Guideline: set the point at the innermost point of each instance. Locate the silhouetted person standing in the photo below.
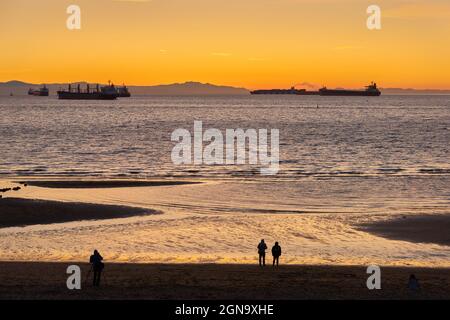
(276, 253)
(97, 266)
(262, 247)
(413, 283)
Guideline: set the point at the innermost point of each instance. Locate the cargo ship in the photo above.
(123, 92)
(292, 90)
(41, 92)
(371, 90)
(108, 92)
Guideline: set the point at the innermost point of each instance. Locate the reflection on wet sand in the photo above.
(197, 226)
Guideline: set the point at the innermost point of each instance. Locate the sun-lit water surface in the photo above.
(349, 161)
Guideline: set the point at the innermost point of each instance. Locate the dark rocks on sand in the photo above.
(5, 189)
(16, 188)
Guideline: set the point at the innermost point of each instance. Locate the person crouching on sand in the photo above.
(262, 247)
(276, 253)
(97, 266)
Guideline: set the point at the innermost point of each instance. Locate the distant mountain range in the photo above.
(182, 89)
(407, 91)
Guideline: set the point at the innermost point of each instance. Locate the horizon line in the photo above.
(210, 83)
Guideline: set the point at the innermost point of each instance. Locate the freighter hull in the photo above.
(40, 94)
(276, 91)
(285, 91)
(64, 95)
(371, 91)
(349, 93)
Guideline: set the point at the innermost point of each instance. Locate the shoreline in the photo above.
(103, 183)
(44, 280)
(19, 212)
(16, 211)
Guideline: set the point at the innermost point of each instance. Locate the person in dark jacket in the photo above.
(97, 266)
(276, 253)
(262, 247)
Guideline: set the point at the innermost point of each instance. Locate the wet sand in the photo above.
(22, 212)
(16, 212)
(33, 280)
(77, 184)
(184, 241)
(420, 229)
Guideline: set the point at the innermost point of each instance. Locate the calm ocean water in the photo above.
(351, 136)
(344, 161)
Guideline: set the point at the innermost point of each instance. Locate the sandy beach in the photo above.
(182, 221)
(156, 281)
(180, 142)
(21, 212)
(29, 280)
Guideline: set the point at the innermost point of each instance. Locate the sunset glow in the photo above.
(252, 44)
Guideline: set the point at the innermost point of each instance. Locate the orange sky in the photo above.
(249, 43)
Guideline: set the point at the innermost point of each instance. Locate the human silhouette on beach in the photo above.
(97, 266)
(262, 247)
(413, 283)
(276, 253)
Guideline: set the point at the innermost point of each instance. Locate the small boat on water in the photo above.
(41, 92)
(108, 92)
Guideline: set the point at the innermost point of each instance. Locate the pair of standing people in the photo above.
(276, 253)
